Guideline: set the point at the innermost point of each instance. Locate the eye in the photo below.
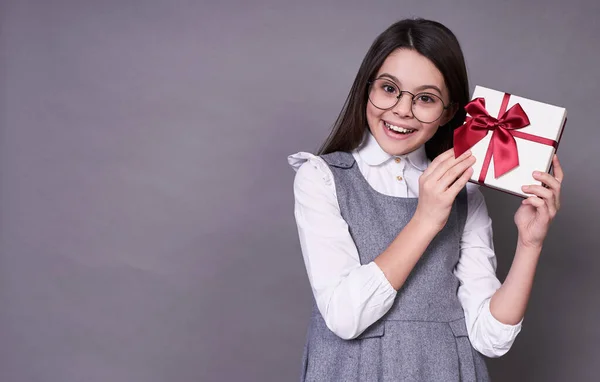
(388, 88)
(427, 98)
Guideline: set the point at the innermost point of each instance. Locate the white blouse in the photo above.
(351, 296)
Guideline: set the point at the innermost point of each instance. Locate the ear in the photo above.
(449, 114)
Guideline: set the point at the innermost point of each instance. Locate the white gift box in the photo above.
(545, 122)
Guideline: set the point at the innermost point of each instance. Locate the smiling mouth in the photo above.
(397, 129)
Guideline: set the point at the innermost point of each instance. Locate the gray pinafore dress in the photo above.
(423, 337)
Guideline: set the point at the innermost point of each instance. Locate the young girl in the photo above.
(397, 245)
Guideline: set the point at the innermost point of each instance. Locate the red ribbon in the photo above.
(502, 147)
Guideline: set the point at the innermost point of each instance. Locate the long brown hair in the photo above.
(432, 40)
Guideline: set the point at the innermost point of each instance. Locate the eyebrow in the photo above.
(422, 87)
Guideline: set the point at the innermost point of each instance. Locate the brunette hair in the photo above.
(432, 40)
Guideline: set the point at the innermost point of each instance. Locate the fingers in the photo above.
(545, 195)
(438, 160)
(540, 205)
(461, 182)
(552, 183)
(547, 179)
(557, 169)
(449, 162)
(456, 171)
(540, 191)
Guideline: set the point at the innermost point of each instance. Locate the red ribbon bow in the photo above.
(503, 146)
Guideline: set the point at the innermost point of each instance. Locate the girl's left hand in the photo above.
(536, 212)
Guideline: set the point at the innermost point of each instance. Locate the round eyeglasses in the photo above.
(426, 107)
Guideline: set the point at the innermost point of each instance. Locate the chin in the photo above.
(399, 147)
(395, 150)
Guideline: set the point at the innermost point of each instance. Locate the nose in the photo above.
(404, 106)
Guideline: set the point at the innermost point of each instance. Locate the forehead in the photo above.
(412, 69)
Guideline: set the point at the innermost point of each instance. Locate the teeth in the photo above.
(398, 129)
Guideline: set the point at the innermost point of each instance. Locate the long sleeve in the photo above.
(350, 296)
(476, 271)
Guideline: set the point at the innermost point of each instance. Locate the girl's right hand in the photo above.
(439, 185)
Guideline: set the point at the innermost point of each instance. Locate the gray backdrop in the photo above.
(146, 204)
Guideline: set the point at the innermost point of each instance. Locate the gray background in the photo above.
(146, 207)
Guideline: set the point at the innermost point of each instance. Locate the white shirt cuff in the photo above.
(494, 338)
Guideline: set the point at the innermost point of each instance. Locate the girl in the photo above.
(397, 246)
